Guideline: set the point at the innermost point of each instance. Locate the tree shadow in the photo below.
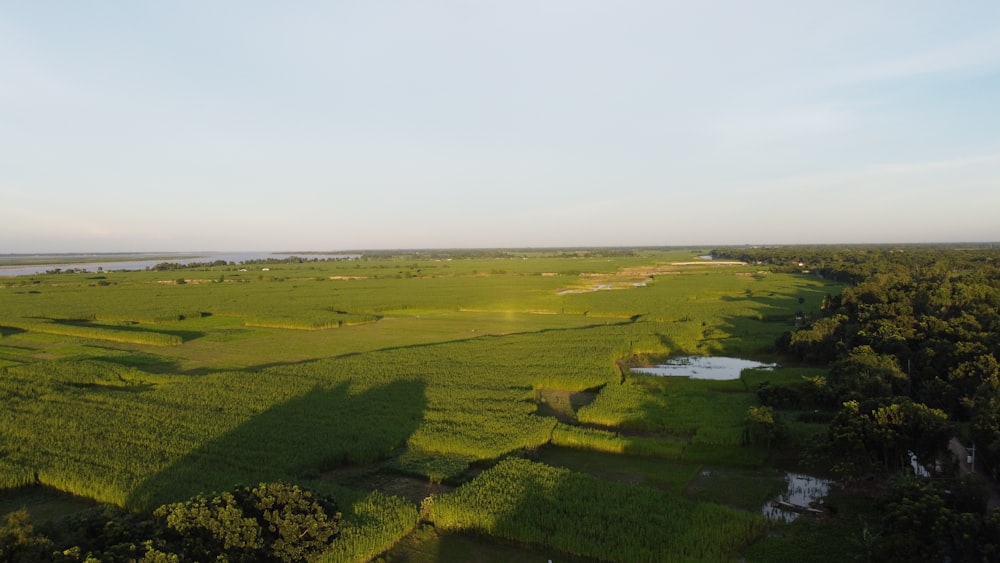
(418, 346)
(296, 440)
(570, 516)
(185, 335)
(670, 344)
(709, 414)
(149, 363)
(458, 547)
(774, 314)
(6, 331)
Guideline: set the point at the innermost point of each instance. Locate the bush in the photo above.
(270, 522)
(777, 396)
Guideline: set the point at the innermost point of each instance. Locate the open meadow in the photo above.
(458, 406)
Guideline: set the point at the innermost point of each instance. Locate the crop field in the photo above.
(498, 383)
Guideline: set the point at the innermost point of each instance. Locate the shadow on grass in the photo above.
(185, 335)
(6, 331)
(560, 512)
(422, 345)
(562, 404)
(774, 314)
(670, 344)
(149, 363)
(428, 547)
(293, 441)
(709, 414)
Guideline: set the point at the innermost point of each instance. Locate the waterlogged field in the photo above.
(388, 380)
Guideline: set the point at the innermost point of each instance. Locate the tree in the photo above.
(882, 433)
(986, 420)
(206, 527)
(295, 523)
(268, 523)
(924, 520)
(819, 343)
(763, 426)
(19, 542)
(866, 374)
(777, 396)
(906, 427)
(969, 376)
(103, 533)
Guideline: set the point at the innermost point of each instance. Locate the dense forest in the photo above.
(912, 344)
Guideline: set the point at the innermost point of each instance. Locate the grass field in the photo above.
(136, 389)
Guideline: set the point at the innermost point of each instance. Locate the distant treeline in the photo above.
(852, 264)
(502, 253)
(167, 266)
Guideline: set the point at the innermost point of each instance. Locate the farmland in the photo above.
(477, 395)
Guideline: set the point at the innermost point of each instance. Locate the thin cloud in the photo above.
(783, 123)
(29, 78)
(911, 175)
(978, 54)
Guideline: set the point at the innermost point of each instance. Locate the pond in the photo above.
(704, 367)
(803, 494)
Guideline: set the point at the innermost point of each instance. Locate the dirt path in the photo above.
(962, 453)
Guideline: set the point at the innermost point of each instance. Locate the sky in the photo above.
(245, 125)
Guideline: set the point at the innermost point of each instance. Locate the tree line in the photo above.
(912, 345)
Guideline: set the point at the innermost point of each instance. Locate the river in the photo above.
(110, 262)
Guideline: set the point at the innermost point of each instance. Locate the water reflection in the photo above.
(92, 263)
(802, 494)
(704, 367)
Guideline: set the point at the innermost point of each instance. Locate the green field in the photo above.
(390, 379)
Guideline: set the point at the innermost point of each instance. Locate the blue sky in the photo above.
(189, 125)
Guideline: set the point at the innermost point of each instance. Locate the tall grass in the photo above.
(95, 332)
(706, 411)
(371, 527)
(584, 516)
(612, 442)
(446, 377)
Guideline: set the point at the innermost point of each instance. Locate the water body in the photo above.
(801, 493)
(717, 368)
(141, 261)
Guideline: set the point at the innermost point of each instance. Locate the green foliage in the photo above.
(19, 543)
(270, 522)
(584, 516)
(778, 396)
(96, 332)
(736, 456)
(925, 521)
(986, 418)
(671, 476)
(763, 427)
(881, 434)
(437, 467)
(915, 321)
(705, 412)
(312, 320)
(108, 534)
(865, 373)
(612, 442)
(373, 526)
(820, 342)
